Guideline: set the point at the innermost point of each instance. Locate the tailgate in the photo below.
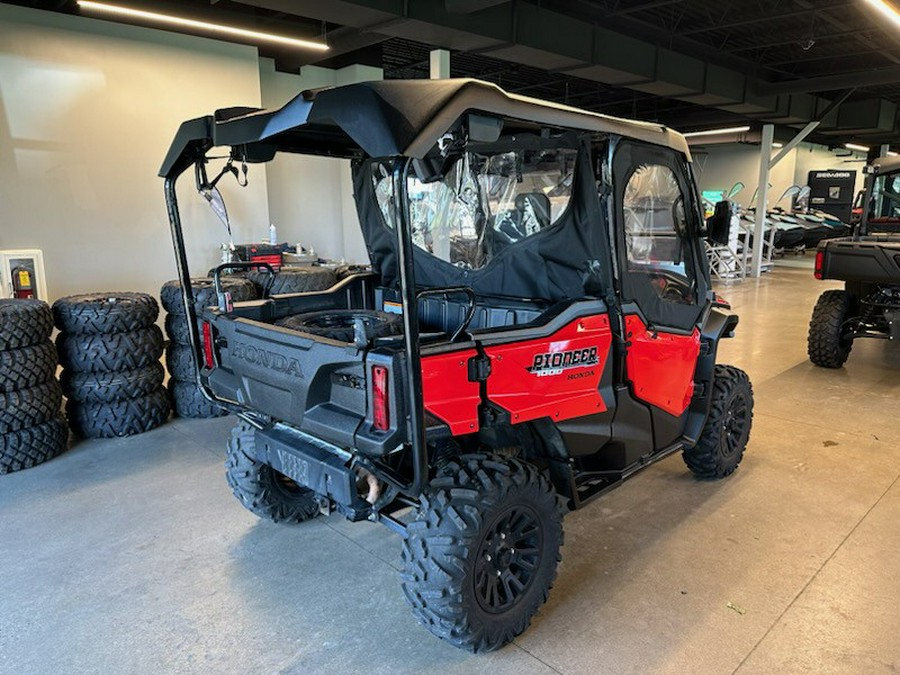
(313, 383)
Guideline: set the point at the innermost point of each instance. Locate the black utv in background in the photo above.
(869, 265)
(538, 325)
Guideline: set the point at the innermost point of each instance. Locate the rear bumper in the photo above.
(314, 464)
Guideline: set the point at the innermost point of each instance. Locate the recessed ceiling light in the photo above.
(858, 148)
(776, 144)
(103, 7)
(715, 132)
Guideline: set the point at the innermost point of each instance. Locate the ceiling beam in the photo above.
(864, 78)
(469, 6)
(763, 18)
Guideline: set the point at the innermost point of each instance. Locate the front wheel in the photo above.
(481, 556)
(727, 430)
(829, 341)
(260, 488)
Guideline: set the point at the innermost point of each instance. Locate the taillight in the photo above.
(208, 345)
(819, 269)
(380, 401)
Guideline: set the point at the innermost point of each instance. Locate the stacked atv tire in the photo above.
(187, 399)
(109, 347)
(32, 430)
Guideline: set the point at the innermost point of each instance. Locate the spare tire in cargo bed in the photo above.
(106, 387)
(340, 324)
(24, 323)
(113, 312)
(122, 417)
(204, 293)
(109, 353)
(32, 446)
(27, 366)
(294, 280)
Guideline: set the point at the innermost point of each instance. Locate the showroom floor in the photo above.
(131, 556)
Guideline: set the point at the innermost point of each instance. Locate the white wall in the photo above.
(311, 198)
(721, 166)
(88, 109)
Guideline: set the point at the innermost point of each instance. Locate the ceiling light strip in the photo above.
(232, 31)
(716, 132)
(887, 10)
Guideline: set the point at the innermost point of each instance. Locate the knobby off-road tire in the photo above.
(344, 271)
(24, 323)
(262, 490)
(188, 401)
(122, 417)
(727, 430)
(204, 293)
(110, 353)
(294, 280)
(180, 362)
(109, 387)
(96, 313)
(340, 324)
(32, 446)
(29, 407)
(177, 329)
(481, 556)
(27, 366)
(828, 345)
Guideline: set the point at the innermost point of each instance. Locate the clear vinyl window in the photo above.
(655, 232)
(884, 206)
(484, 203)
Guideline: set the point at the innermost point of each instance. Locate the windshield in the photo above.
(884, 203)
(484, 203)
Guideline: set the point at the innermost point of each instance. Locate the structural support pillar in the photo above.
(762, 198)
(439, 64)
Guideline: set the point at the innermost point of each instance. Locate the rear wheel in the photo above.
(481, 556)
(727, 430)
(829, 341)
(260, 488)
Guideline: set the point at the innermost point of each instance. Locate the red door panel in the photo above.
(447, 392)
(557, 376)
(660, 366)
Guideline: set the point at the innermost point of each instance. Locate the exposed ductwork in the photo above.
(526, 33)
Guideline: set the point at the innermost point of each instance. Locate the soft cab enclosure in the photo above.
(494, 225)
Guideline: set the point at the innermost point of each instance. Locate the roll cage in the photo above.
(414, 126)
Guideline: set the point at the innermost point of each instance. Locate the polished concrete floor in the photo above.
(131, 556)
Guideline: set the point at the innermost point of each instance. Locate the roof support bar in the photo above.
(762, 197)
(766, 164)
(439, 64)
(794, 142)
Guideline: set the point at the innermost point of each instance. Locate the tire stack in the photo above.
(293, 280)
(187, 399)
(109, 347)
(32, 430)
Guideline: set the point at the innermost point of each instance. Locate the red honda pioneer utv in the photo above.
(538, 325)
